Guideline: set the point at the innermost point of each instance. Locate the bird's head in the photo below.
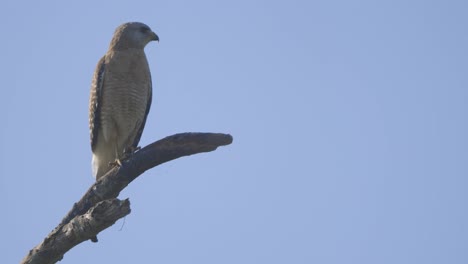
(133, 35)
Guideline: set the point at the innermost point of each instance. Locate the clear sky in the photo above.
(349, 121)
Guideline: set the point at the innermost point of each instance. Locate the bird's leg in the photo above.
(126, 154)
(117, 161)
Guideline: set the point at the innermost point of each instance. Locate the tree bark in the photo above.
(99, 207)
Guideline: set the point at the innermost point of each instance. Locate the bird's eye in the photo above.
(144, 29)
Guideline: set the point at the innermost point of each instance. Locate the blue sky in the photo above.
(349, 121)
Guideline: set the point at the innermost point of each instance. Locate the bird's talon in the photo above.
(115, 163)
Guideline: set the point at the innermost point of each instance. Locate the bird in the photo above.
(120, 97)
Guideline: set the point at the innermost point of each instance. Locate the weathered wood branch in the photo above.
(98, 208)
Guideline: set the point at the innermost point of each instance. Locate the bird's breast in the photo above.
(127, 93)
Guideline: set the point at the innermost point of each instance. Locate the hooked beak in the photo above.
(154, 37)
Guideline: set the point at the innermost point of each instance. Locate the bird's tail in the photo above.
(99, 166)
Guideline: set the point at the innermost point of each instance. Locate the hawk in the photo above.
(120, 97)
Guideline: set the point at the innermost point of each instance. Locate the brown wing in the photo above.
(95, 101)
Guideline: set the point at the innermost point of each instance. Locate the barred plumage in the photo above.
(121, 94)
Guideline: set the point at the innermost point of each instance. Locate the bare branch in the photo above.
(99, 208)
(79, 229)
